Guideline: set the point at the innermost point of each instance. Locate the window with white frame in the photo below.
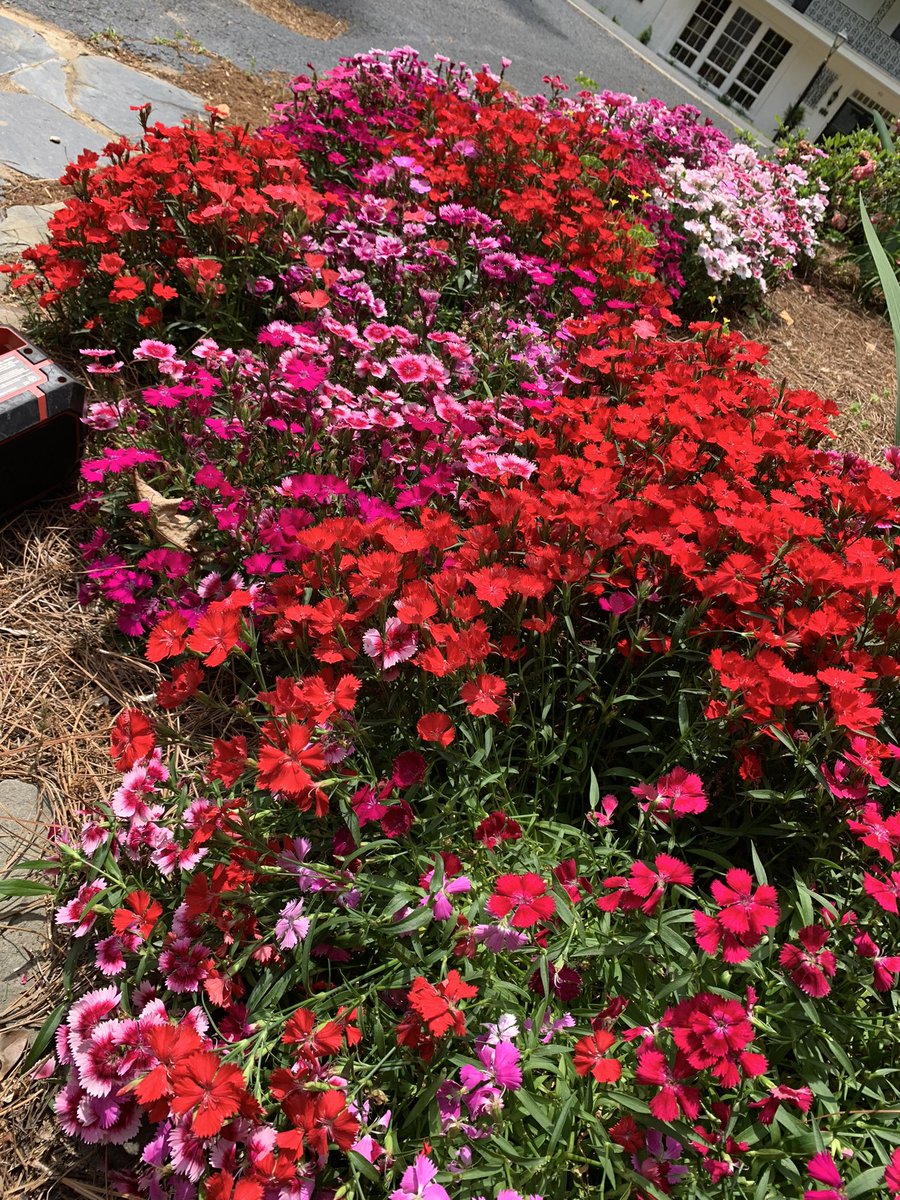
(758, 69)
(707, 16)
(728, 47)
(730, 50)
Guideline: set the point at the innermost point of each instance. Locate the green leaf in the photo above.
(673, 940)
(867, 1182)
(529, 1105)
(417, 919)
(560, 1125)
(684, 720)
(648, 1187)
(76, 950)
(758, 869)
(884, 133)
(805, 901)
(594, 791)
(363, 1166)
(887, 277)
(626, 1100)
(45, 1033)
(24, 887)
(783, 737)
(762, 1187)
(268, 991)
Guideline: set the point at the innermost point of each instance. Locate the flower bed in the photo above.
(515, 815)
(154, 240)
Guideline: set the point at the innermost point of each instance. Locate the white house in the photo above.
(760, 57)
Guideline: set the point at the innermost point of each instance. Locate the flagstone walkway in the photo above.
(22, 921)
(57, 98)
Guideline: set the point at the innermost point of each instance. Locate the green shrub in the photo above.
(854, 166)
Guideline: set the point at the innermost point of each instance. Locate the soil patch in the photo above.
(299, 18)
(22, 190)
(250, 98)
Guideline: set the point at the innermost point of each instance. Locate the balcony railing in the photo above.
(865, 37)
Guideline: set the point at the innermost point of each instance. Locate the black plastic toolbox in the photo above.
(40, 423)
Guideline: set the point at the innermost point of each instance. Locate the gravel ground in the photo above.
(540, 36)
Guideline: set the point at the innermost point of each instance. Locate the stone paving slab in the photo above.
(105, 89)
(24, 225)
(46, 81)
(22, 920)
(21, 46)
(57, 99)
(38, 139)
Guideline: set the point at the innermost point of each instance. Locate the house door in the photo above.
(848, 117)
(730, 51)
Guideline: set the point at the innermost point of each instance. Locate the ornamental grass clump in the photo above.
(514, 817)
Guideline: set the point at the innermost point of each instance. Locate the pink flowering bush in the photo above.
(721, 214)
(514, 819)
(747, 220)
(661, 131)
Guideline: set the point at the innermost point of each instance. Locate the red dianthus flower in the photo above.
(713, 1034)
(809, 964)
(743, 918)
(673, 795)
(589, 1057)
(525, 897)
(208, 1088)
(497, 827)
(131, 739)
(286, 757)
(438, 1007)
(484, 696)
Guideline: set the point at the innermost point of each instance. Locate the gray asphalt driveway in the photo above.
(540, 36)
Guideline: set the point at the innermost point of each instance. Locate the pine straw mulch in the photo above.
(306, 21)
(22, 189)
(61, 679)
(823, 339)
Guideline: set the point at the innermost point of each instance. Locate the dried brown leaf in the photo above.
(169, 524)
(13, 1043)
